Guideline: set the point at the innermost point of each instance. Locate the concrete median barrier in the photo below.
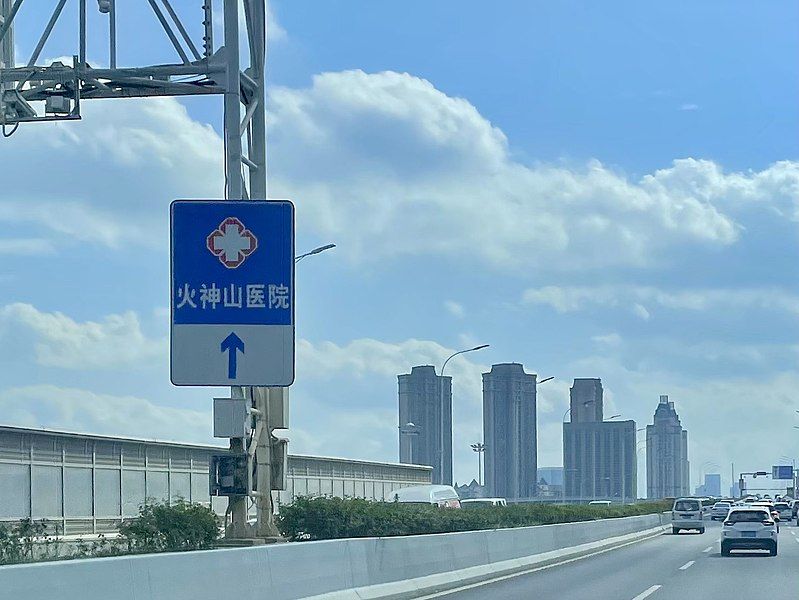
(395, 567)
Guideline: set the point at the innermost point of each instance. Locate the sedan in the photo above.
(720, 510)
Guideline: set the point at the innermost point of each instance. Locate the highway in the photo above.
(668, 567)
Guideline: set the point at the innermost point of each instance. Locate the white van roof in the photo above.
(425, 493)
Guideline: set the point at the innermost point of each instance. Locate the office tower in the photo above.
(667, 467)
(599, 460)
(509, 431)
(585, 400)
(425, 421)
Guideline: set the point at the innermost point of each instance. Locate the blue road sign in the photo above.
(782, 472)
(232, 283)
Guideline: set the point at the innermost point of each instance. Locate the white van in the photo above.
(687, 514)
(483, 502)
(443, 496)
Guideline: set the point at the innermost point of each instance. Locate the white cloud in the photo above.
(387, 165)
(689, 106)
(566, 299)
(611, 340)
(26, 246)
(392, 166)
(83, 410)
(641, 312)
(455, 309)
(274, 30)
(62, 342)
(140, 154)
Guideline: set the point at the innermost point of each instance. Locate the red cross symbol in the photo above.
(231, 242)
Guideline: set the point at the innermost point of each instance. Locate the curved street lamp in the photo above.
(441, 406)
(314, 251)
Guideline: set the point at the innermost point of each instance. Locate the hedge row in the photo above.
(160, 527)
(333, 518)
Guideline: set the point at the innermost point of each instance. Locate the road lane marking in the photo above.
(687, 565)
(708, 549)
(470, 586)
(647, 592)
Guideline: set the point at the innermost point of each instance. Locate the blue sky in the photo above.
(596, 191)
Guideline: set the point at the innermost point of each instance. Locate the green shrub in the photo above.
(333, 518)
(27, 541)
(162, 527)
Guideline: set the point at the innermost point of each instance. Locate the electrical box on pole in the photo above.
(228, 474)
(232, 418)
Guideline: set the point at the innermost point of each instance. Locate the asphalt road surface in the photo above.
(686, 566)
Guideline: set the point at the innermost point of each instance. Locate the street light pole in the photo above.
(441, 407)
(314, 251)
(479, 448)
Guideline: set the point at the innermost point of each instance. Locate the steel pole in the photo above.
(234, 191)
(256, 137)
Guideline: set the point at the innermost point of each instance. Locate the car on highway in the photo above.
(599, 503)
(749, 528)
(719, 511)
(483, 502)
(784, 510)
(443, 496)
(686, 513)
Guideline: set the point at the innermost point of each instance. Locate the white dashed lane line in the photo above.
(647, 592)
(708, 549)
(687, 565)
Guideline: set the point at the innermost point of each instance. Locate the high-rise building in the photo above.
(712, 485)
(585, 401)
(667, 467)
(599, 459)
(425, 421)
(509, 431)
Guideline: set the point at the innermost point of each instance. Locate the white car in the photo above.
(443, 496)
(720, 510)
(483, 502)
(785, 511)
(748, 528)
(687, 514)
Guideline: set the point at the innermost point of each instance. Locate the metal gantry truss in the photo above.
(57, 91)
(200, 70)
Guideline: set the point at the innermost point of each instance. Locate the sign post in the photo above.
(232, 324)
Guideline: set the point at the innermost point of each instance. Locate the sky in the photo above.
(595, 191)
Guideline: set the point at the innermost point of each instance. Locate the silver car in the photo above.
(687, 514)
(719, 511)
